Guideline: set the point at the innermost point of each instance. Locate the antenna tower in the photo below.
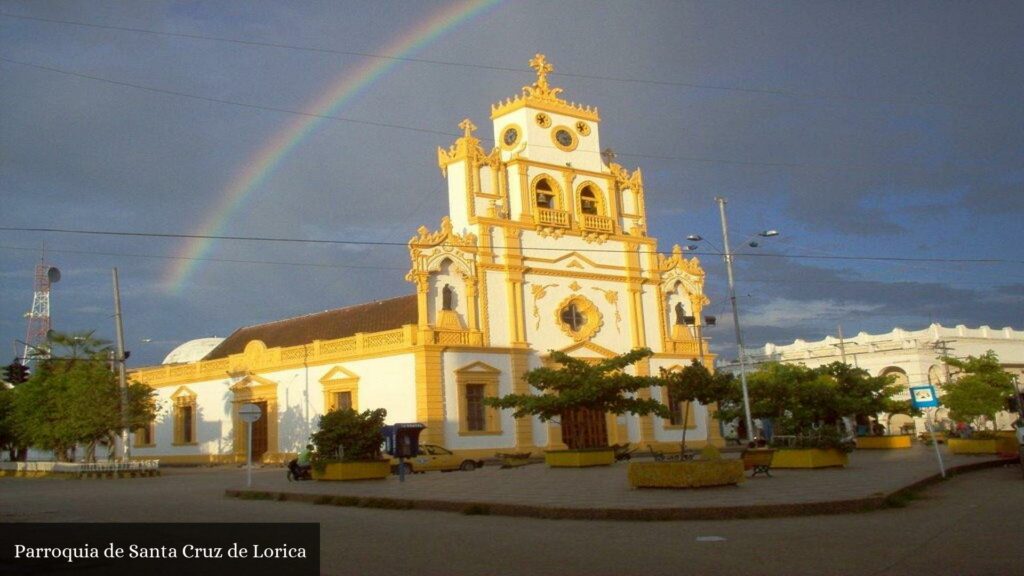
(39, 316)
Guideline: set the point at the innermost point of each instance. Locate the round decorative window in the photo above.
(578, 317)
(564, 138)
(543, 120)
(510, 136)
(583, 128)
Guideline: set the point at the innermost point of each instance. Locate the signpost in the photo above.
(925, 397)
(249, 413)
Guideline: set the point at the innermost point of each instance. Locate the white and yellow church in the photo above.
(545, 248)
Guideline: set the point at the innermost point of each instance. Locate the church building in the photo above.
(545, 247)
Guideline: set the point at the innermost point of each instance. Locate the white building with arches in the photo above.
(545, 248)
(911, 357)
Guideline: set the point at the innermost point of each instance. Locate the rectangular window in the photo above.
(677, 410)
(475, 409)
(144, 435)
(186, 424)
(343, 400)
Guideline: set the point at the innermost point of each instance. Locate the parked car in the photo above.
(432, 457)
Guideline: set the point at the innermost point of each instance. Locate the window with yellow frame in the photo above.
(185, 417)
(341, 389)
(475, 383)
(676, 407)
(145, 436)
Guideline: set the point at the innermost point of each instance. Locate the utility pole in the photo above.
(842, 344)
(126, 451)
(736, 320)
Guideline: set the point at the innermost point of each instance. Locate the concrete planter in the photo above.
(973, 446)
(693, 474)
(373, 470)
(809, 458)
(579, 458)
(883, 442)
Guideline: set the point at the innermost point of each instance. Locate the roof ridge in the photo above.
(329, 310)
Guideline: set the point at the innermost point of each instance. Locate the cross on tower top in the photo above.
(467, 128)
(543, 68)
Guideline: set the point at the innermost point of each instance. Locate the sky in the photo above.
(883, 140)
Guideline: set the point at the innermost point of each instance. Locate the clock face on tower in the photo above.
(510, 136)
(564, 138)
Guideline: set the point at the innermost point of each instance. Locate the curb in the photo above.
(894, 499)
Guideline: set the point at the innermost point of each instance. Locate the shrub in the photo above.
(348, 436)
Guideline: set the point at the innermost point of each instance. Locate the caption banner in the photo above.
(190, 548)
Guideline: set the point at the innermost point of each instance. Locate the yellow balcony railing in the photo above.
(552, 217)
(595, 223)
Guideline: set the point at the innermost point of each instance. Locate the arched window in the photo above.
(588, 201)
(545, 195)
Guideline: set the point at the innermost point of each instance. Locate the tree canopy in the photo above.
(72, 397)
(696, 383)
(980, 391)
(799, 399)
(580, 387)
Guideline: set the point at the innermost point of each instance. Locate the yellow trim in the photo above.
(319, 352)
(592, 315)
(572, 134)
(249, 390)
(598, 198)
(339, 379)
(556, 191)
(430, 393)
(583, 128)
(184, 398)
(519, 136)
(542, 120)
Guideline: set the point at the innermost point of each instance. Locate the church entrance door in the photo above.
(259, 434)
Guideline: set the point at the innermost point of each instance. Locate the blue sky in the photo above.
(856, 129)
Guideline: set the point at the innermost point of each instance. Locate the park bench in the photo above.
(663, 457)
(759, 460)
(622, 451)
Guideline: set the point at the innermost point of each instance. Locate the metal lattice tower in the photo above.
(39, 316)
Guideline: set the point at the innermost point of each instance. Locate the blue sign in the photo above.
(924, 397)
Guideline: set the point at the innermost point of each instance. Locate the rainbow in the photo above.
(262, 164)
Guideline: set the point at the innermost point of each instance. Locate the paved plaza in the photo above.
(968, 525)
(869, 475)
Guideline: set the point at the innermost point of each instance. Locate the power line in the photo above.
(495, 68)
(551, 248)
(220, 260)
(224, 101)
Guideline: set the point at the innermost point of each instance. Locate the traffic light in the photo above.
(16, 372)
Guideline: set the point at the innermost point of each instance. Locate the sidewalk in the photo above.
(604, 492)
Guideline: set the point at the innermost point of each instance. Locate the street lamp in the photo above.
(727, 253)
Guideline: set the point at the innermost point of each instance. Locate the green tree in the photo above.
(9, 438)
(800, 400)
(355, 436)
(73, 397)
(979, 392)
(696, 383)
(579, 393)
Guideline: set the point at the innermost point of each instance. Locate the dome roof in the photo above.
(192, 351)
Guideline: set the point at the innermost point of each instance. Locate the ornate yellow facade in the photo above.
(545, 248)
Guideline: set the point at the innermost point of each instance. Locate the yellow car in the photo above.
(432, 457)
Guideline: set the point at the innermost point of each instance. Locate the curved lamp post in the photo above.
(732, 299)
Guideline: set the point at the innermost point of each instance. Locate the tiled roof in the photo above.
(327, 325)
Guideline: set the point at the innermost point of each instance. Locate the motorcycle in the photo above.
(298, 473)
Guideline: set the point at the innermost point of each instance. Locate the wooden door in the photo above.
(259, 433)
